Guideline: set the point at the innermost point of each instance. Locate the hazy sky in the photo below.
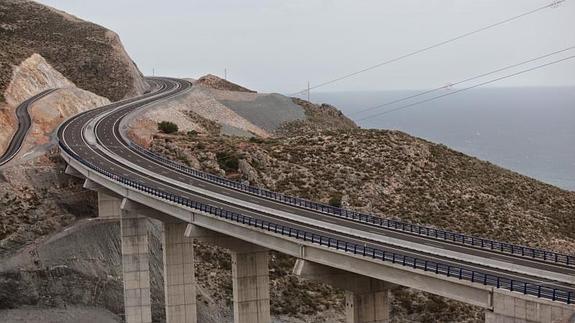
(277, 46)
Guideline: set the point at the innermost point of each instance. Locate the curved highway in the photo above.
(96, 139)
(24, 123)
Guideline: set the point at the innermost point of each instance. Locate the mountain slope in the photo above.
(89, 55)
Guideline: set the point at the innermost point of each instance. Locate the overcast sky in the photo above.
(277, 46)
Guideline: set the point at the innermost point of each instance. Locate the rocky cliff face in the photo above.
(89, 55)
(33, 76)
(217, 83)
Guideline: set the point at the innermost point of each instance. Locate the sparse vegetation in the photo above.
(167, 127)
(228, 161)
(256, 140)
(335, 200)
(394, 175)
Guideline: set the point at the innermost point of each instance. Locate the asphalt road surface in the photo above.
(24, 123)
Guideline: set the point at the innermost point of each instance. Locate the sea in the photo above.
(528, 130)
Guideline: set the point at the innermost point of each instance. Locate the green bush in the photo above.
(335, 200)
(228, 161)
(167, 127)
(192, 133)
(256, 140)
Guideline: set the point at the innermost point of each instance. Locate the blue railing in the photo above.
(476, 242)
(438, 268)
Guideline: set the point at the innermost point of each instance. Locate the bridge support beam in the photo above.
(135, 266)
(250, 275)
(511, 307)
(367, 300)
(179, 278)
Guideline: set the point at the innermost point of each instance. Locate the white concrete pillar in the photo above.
(367, 300)
(370, 305)
(108, 206)
(136, 269)
(179, 278)
(250, 275)
(509, 307)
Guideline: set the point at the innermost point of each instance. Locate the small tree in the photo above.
(335, 200)
(228, 161)
(167, 127)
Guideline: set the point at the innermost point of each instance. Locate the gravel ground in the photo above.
(278, 109)
(59, 315)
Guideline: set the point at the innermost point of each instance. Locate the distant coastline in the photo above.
(528, 130)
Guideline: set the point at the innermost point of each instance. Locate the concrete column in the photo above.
(136, 269)
(511, 307)
(108, 206)
(250, 275)
(370, 305)
(179, 278)
(367, 300)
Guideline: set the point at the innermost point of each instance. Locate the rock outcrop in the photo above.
(89, 55)
(214, 82)
(31, 77)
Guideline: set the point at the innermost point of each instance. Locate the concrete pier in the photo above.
(250, 275)
(370, 304)
(179, 278)
(511, 307)
(367, 300)
(136, 269)
(108, 206)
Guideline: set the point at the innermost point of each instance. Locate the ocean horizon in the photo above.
(528, 130)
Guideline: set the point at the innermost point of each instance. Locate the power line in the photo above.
(554, 3)
(462, 81)
(468, 88)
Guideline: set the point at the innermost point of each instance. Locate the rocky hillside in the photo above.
(33, 76)
(391, 174)
(217, 83)
(89, 55)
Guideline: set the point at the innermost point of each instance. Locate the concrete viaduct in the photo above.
(359, 253)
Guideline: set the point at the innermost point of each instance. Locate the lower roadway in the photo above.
(24, 123)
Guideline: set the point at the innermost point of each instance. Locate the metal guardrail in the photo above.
(536, 290)
(498, 246)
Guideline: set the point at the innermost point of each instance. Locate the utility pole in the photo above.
(153, 71)
(308, 91)
(225, 74)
